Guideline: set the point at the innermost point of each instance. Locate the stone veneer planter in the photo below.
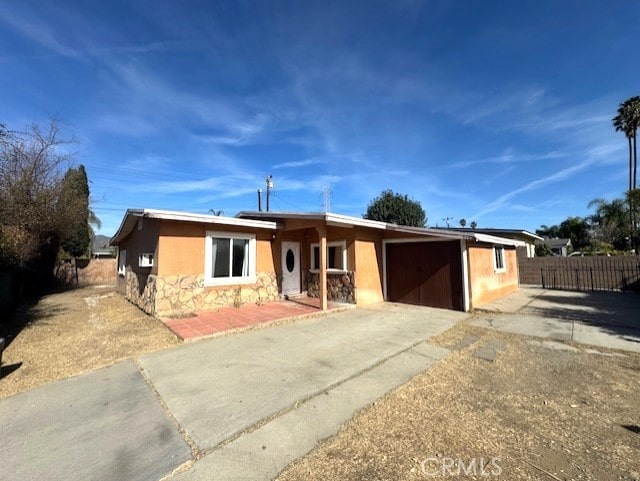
(166, 296)
(340, 287)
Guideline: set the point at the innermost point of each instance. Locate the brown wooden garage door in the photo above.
(426, 274)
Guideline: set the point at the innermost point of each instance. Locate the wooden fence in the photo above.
(582, 273)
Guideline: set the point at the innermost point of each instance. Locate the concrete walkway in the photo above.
(244, 405)
(604, 319)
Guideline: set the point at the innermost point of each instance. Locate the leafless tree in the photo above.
(32, 163)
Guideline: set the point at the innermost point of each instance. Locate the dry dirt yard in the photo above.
(535, 413)
(74, 331)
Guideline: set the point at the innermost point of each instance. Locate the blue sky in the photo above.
(493, 111)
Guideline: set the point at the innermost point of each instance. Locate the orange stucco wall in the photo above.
(181, 247)
(368, 257)
(486, 284)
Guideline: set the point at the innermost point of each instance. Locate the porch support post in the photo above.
(322, 234)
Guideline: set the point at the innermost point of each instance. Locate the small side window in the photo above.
(498, 259)
(145, 260)
(336, 256)
(122, 262)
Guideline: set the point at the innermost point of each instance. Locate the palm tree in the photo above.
(627, 121)
(621, 125)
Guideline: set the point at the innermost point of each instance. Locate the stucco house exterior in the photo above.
(171, 263)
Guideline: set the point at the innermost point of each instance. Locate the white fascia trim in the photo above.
(465, 275)
(384, 270)
(490, 239)
(207, 219)
(127, 225)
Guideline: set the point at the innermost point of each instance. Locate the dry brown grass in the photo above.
(543, 413)
(75, 331)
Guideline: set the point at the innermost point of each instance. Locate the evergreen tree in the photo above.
(396, 209)
(74, 208)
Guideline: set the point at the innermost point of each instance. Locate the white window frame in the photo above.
(342, 244)
(497, 268)
(209, 280)
(145, 259)
(122, 262)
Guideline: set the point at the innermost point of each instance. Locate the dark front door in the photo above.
(426, 274)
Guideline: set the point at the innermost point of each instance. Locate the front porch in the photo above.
(248, 316)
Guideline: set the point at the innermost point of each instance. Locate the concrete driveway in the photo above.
(603, 318)
(244, 405)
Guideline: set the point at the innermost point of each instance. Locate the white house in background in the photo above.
(558, 247)
(529, 238)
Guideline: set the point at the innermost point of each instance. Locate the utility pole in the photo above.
(269, 182)
(259, 200)
(447, 219)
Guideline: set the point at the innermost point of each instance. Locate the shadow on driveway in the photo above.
(605, 319)
(614, 312)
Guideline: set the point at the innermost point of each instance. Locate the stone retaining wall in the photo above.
(143, 298)
(340, 287)
(180, 295)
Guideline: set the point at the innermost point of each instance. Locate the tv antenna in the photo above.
(325, 196)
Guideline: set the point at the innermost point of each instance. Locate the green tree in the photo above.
(627, 121)
(543, 250)
(610, 224)
(74, 209)
(396, 209)
(463, 222)
(549, 232)
(576, 229)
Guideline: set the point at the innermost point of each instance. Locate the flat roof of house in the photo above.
(499, 232)
(131, 217)
(340, 220)
(555, 243)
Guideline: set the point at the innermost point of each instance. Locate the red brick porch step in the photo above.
(208, 323)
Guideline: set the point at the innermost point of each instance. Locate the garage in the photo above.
(425, 274)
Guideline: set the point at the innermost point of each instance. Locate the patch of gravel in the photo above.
(75, 331)
(533, 413)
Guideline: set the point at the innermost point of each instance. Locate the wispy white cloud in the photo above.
(37, 31)
(509, 156)
(296, 163)
(590, 157)
(67, 33)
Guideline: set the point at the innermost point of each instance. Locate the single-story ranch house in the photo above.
(171, 263)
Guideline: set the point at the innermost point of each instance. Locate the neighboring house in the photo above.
(558, 247)
(529, 238)
(176, 262)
